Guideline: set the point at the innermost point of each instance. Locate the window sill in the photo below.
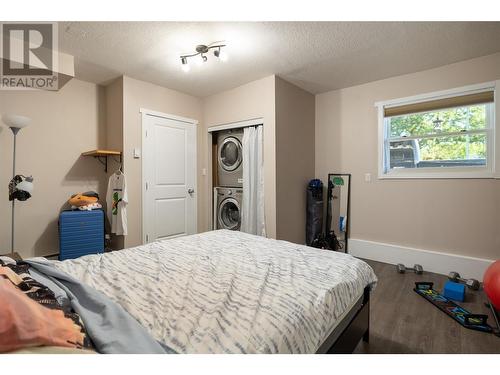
(425, 175)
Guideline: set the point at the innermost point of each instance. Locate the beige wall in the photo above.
(114, 115)
(137, 95)
(294, 158)
(452, 216)
(252, 100)
(458, 216)
(64, 124)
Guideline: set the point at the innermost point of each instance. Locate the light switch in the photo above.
(368, 177)
(204, 171)
(137, 153)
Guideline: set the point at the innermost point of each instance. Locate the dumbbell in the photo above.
(417, 268)
(471, 283)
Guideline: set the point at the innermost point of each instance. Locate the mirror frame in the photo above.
(348, 226)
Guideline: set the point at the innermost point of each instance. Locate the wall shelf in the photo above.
(102, 156)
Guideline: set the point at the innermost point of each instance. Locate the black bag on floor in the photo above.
(327, 241)
(314, 211)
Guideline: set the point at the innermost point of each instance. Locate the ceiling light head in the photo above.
(185, 66)
(223, 56)
(220, 54)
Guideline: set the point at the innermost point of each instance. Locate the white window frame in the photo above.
(491, 170)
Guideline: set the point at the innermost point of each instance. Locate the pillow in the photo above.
(51, 350)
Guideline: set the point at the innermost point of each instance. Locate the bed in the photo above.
(230, 292)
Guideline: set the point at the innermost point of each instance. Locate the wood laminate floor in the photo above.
(403, 322)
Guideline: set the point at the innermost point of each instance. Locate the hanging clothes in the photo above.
(252, 211)
(116, 200)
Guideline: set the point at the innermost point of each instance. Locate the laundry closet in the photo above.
(237, 170)
(286, 113)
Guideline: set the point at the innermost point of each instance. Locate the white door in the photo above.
(169, 174)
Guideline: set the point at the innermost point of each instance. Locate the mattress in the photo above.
(229, 292)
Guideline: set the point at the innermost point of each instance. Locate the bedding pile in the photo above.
(229, 292)
(31, 315)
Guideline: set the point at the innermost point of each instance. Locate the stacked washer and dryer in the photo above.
(229, 192)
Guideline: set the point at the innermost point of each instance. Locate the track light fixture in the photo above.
(202, 51)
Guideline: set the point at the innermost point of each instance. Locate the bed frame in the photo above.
(351, 330)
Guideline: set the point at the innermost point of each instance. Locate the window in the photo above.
(440, 135)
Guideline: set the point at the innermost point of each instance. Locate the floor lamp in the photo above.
(15, 123)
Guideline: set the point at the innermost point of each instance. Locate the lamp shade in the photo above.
(16, 121)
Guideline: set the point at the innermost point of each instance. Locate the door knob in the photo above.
(190, 191)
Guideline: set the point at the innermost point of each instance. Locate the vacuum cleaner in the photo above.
(314, 221)
(314, 211)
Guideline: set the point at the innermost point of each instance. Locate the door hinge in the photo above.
(146, 133)
(147, 186)
(147, 238)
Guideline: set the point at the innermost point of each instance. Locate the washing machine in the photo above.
(227, 213)
(230, 157)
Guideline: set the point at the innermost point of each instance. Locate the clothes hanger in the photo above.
(119, 171)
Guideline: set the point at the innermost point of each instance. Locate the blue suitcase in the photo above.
(80, 233)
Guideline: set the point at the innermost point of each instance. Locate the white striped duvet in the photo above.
(229, 292)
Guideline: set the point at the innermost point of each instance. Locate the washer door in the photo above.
(230, 154)
(229, 214)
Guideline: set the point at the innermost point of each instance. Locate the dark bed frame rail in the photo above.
(356, 330)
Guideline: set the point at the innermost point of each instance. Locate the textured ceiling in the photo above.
(317, 56)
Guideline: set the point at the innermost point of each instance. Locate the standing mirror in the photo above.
(337, 219)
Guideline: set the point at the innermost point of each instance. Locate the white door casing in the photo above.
(169, 176)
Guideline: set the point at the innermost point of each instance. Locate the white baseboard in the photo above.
(432, 261)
